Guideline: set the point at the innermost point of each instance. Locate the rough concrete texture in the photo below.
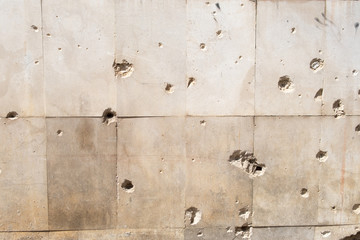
(179, 119)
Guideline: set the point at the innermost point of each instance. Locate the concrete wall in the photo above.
(179, 119)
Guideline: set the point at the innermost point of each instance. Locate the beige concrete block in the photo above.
(336, 232)
(220, 57)
(81, 173)
(151, 234)
(151, 154)
(79, 53)
(339, 175)
(341, 49)
(23, 175)
(293, 233)
(21, 62)
(209, 233)
(157, 85)
(288, 147)
(213, 186)
(24, 236)
(288, 38)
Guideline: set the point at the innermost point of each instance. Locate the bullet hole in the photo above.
(193, 215)
(325, 234)
(109, 116)
(36, 62)
(191, 82)
(244, 213)
(207, 3)
(200, 234)
(355, 72)
(128, 186)
(123, 69)
(352, 237)
(160, 45)
(356, 25)
(203, 123)
(356, 209)
(12, 115)
(304, 193)
(169, 88)
(318, 95)
(357, 129)
(219, 34)
(214, 13)
(242, 5)
(336, 79)
(78, 46)
(244, 231)
(320, 52)
(59, 133)
(322, 156)
(333, 208)
(316, 64)
(35, 28)
(247, 162)
(203, 46)
(293, 30)
(48, 35)
(338, 108)
(218, 6)
(240, 57)
(59, 49)
(285, 84)
(299, 95)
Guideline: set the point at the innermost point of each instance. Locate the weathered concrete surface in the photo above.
(174, 119)
(81, 169)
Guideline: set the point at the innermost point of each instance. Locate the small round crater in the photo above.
(357, 129)
(191, 81)
(285, 84)
(60, 49)
(169, 88)
(128, 186)
(203, 46)
(59, 133)
(325, 234)
(109, 116)
(318, 95)
(123, 69)
(293, 30)
(322, 156)
(36, 62)
(203, 123)
(219, 34)
(316, 64)
(48, 35)
(160, 45)
(35, 28)
(193, 215)
(12, 115)
(355, 72)
(356, 209)
(304, 193)
(339, 109)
